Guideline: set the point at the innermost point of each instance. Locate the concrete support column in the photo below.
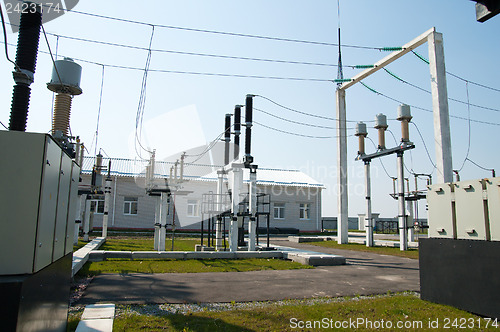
(342, 195)
(86, 222)
(403, 242)
(252, 224)
(157, 222)
(163, 221)
(442, 135)
(411, 229)
(107, 199)
(219, 209)
(78, 217)
(237, 183)
(368, 217)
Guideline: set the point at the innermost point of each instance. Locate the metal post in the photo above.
(411, 230)
(107, 198)
(368, 217)
(403, 243)
(442, 135)
(252, 208)
(342, 197)
(78, 216)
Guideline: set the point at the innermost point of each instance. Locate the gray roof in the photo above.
(200, 172)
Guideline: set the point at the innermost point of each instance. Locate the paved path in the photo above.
(364, 274)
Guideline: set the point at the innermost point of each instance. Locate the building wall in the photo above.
(290, 196)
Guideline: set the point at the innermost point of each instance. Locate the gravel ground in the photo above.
(185, 309)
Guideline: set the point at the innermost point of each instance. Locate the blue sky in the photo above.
(472, 50)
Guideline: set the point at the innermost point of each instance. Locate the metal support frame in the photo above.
(440, 110)
(86, 222)
(252, 227)
(368, 217)
(403, 241)
(107, 198)
(219, 203)
(236, 184)
(163, 221)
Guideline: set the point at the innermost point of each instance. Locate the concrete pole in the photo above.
(163, 221)
(342, 197)
(411, 230)
(237, 181)
(107, 199)
(157, 222)
(252, 226)
(219, 209)
(442, 135)
(86, 222)
(403, 242)
(368, 217)
(78, 217)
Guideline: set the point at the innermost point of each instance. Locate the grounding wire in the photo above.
(99, 112)
(6, 42)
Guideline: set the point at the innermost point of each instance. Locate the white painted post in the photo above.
(368, 217)
(252, 225)
(107, 198)
(78, 217)
(342, 195)
(163, 221)
(219, 209)
(403, 242)
(442, 135)
(86, 222)
(237, 177)
(411, 230)
(157, 201)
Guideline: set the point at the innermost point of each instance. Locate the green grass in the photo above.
(80, 244)
(410, 253)
(187, 266)
(273, 317)
(147, 244)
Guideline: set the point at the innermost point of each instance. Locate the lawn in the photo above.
(379, 311)
(187, 266)
(141, 243)
(410, 253)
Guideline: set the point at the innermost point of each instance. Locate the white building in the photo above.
(295, 198)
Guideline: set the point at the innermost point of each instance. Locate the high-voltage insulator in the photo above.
(27, 50)
(66, 76)
(381, 125)
(227, 137)
(248, 133)
(404, 115)
(361, 133)
(237, 131)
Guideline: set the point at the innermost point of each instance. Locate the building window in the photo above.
(130, 205)
(97, 206)
(305, 211)
(193, 208)
(279, 210)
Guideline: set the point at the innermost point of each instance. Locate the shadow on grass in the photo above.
(175, 322)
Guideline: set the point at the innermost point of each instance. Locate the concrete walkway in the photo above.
(364, 274)
(97, 318)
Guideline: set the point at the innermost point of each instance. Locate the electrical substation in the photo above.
(48, 207)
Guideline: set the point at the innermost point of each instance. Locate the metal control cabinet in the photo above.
(470, 212)
(36, 197)
(439, 200)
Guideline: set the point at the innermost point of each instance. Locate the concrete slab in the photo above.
(95, 325)
(97, 318)
(81, 256)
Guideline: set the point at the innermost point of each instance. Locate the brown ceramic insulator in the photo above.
(62, 110)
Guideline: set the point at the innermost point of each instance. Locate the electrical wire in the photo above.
(6, 42)
(456, 76)
(142, 101)
(425, 145)
(295, 134)
(305, 113)
(225, 33)
(98, 113)
(198, 54)
(481, 167)
(380, 159)
(424, 109)
(4, 125)
(296, 122)
(429, 92)
(469, 129)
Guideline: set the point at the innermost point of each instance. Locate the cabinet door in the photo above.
(48, 205)
(73, 201)
(62, 207)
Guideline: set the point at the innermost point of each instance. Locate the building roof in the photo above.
(200, 172)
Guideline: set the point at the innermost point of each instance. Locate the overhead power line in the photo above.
(424, 109)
